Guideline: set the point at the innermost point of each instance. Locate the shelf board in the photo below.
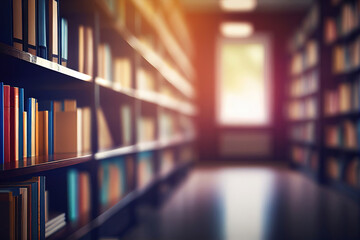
(41, 164)
(115, 152)
(46, 64)
(109, 85)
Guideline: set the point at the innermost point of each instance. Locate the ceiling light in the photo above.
(238, 5)
(236, 29)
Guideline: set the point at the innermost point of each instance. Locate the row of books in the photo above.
(24, 211)
(305, 85)
(309, 24)
(145, 80)
(344, 99)
(33, 128)
(79, 195)
(303, 109)
(34, 26)
(306, 59)
(343, 135)
(342, 170)
(305, 156)
(346, 58)
(113, 71)
(304, 132)
(347, 21)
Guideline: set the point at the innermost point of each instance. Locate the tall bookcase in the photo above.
(337, 123)
(159, 104)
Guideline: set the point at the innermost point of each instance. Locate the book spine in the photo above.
(73, 195)
(21, 123)
(51, 128)
(14, 124)
(37, 129)
(41, 29)
(6, 124)
(25, 117)
(33, 127)
(64, 42)
(31, 26)
(29, 124)
(18, 24)
(1, 123)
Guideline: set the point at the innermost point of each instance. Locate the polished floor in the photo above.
(249, 202)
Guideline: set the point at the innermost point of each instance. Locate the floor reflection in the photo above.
(243, 202)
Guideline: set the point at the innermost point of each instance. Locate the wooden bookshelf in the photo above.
(331, 79)
(170, 65)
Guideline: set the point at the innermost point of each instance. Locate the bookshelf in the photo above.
(337, 133)
(142, 109)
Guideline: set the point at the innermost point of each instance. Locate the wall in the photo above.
(204, 28)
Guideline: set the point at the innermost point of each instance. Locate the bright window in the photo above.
(243, 82)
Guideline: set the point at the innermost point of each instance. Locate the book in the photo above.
(41, 29)
(18, 38)
(31, 127)
(43, 133)
(144, 169)
(14, 124)
(49, 107)
(21, 123)
(53, 9)
(126, 126)
(7, 149)
(2, 143)
(105, 139)
(64, 42)
(32, 29)
(37, 129)
(25, 138)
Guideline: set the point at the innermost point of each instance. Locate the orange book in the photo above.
(65, 132)
(104, 135)
(25, 134)
(84, 194)
(17, 24)
(33, 127)
(81, 49)
(70, 105)
(14, 124)
(86, 130)
(32, 26)
(43, 133)
(89, 56)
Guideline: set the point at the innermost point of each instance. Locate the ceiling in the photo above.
(263, 5)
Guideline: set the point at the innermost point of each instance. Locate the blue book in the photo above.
(72, 186)
(41, 29)
(49, 106)
(64, 40)
(1, 123)
(105, 184)
(29, 122)
(6, 30)
(21, 123)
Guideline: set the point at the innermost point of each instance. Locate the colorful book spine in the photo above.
(21, 123)
(24, 134)
(1, 123)
(64, 41)
(72, 182)
(18, 39)
(31, 29)
(6, 124)
(14, 124)
(41, 29)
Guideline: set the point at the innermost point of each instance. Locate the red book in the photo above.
(14, 124)
(6, 124)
